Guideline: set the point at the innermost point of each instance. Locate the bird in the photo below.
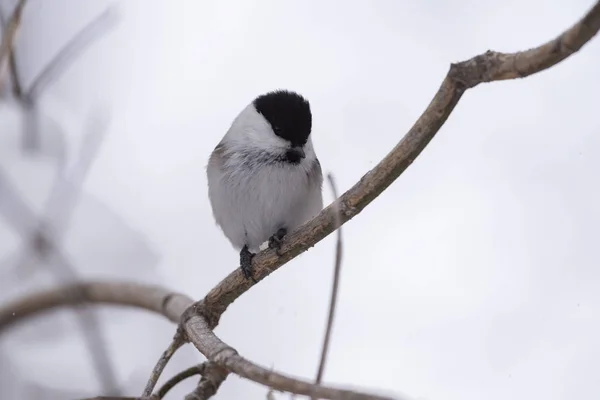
(264, 177)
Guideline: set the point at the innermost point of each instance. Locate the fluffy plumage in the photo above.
(264, 175)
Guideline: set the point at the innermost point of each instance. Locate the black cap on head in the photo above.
(288, 113)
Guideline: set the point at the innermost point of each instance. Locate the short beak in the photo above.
(299, 151)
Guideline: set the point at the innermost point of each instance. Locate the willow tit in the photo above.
(264, 178)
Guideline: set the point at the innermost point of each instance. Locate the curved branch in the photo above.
(488, 67)
(172, 306)
(176, 343)
(180, 377)
(202, 337)
(150, 298)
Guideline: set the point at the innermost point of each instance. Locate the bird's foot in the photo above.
(276, 240)
(246, 263)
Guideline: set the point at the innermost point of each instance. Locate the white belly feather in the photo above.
(250, 206)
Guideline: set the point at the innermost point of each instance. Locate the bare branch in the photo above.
(203, 338)
(173, 306)
(183, 375)
(334, 289)
(12, 65)
(176, 343)
(151, 298)
(10, 32)
(119, 398)
(212, 378)
(17, 87)
(491, 66)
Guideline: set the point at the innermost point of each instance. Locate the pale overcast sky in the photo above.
(475, 276)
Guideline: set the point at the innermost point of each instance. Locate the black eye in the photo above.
(277, 129)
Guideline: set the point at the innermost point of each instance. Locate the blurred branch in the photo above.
(9, 33)
(12, 64)
(80, 42)
(43, 241)
(60, 205)
(335, 285)
(76, 46)
(151, 298)
(487, 67)
(172, 306)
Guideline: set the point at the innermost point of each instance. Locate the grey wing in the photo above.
(214, 178)
(314, 201)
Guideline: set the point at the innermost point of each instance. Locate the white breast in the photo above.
(250, 205)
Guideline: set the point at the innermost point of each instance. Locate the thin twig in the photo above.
(10, 33)
(334, 289)
(181, 376)
(119, 398)
(17, 89)
(212, 378)
(176, 343)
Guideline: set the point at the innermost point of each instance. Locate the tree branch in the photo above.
(12, 63)
(212, 378)
(334, 288)
(10, 32)
(183, 375)
(176, 343)
(151, 298)
(203, 338)
(172, 306)
(488, 67)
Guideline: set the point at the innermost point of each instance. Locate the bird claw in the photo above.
(276, 240)
(246, 263)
